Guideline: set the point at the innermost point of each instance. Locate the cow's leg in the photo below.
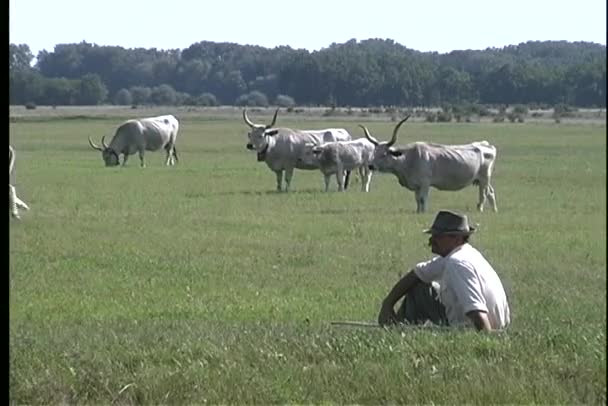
(346, 180)
(168, 156)
(362, 177)
(175, 154)
(125, 158)
(422, 196)
(141, 158)
(288, 176)
(21, 204)
(327, 177)
(279, 174)
(171, 155)
(368, 177)
(340, 178)
(491, 197)
(12, 202)
(482, 196)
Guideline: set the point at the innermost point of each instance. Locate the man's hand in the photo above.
(387, 316)
(480, 320)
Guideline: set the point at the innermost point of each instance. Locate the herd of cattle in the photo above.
(418, 166)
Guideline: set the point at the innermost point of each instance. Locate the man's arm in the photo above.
(480, 320)
(387, 311)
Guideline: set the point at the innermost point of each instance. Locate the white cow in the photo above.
(339, 156)
(139, 135)
(280, 148)
(420, 165)
(14, 203)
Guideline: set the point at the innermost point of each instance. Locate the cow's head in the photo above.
(384, 153)
(310, 154)
(110, 157)
(258, 136)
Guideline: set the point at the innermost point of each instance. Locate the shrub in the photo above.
(520, 109)
(563, 110)
(444, 117)
(30, 106)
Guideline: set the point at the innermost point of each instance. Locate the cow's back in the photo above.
(452, 167)
(158, 131)
(287, 146)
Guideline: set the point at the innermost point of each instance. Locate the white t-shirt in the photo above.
(467, 282)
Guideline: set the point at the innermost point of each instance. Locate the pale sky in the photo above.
(422, 25)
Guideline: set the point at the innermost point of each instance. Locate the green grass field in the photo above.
(201, 284)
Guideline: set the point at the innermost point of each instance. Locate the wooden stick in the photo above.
(355, 323)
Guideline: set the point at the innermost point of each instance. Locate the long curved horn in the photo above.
(247, 121)
(11, 159)
(94, 146)
(394, 139)
(103, 142)
(274, 119)
(368, 135)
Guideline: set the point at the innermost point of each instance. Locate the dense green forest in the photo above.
(373, 72)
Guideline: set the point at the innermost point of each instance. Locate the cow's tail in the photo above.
(346, 179)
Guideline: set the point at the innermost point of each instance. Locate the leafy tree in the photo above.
(284, 101)
(19, 57)
(60, 91)
(254, 98)
(140, 94)
(366, 73)
(207, 99)
(92, 90)
(163, 95)
(123, 98)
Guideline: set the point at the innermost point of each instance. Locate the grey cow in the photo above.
(420, 165)
(281, 148)
(139, 135)
(339, 156)
(14, 203)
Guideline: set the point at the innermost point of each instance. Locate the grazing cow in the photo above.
(139, 135)
(420, 165)
(338, 156)
(280, 148)
(14, 203)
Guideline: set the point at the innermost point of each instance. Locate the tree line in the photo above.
(373, 72)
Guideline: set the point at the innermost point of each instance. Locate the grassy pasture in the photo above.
(201, 284)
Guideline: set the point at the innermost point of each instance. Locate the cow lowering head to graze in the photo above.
(336, 157)
(140, 135)
(420, 165)
(280, 148)
(14, 203)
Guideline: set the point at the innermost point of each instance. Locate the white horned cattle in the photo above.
(281, 148)
(420, 165)
(339, 156)
(140, 135)
(14, 203)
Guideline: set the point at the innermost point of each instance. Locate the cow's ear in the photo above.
(395, 152)
(271, 132)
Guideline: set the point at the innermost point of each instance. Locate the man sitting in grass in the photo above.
(457, 288)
